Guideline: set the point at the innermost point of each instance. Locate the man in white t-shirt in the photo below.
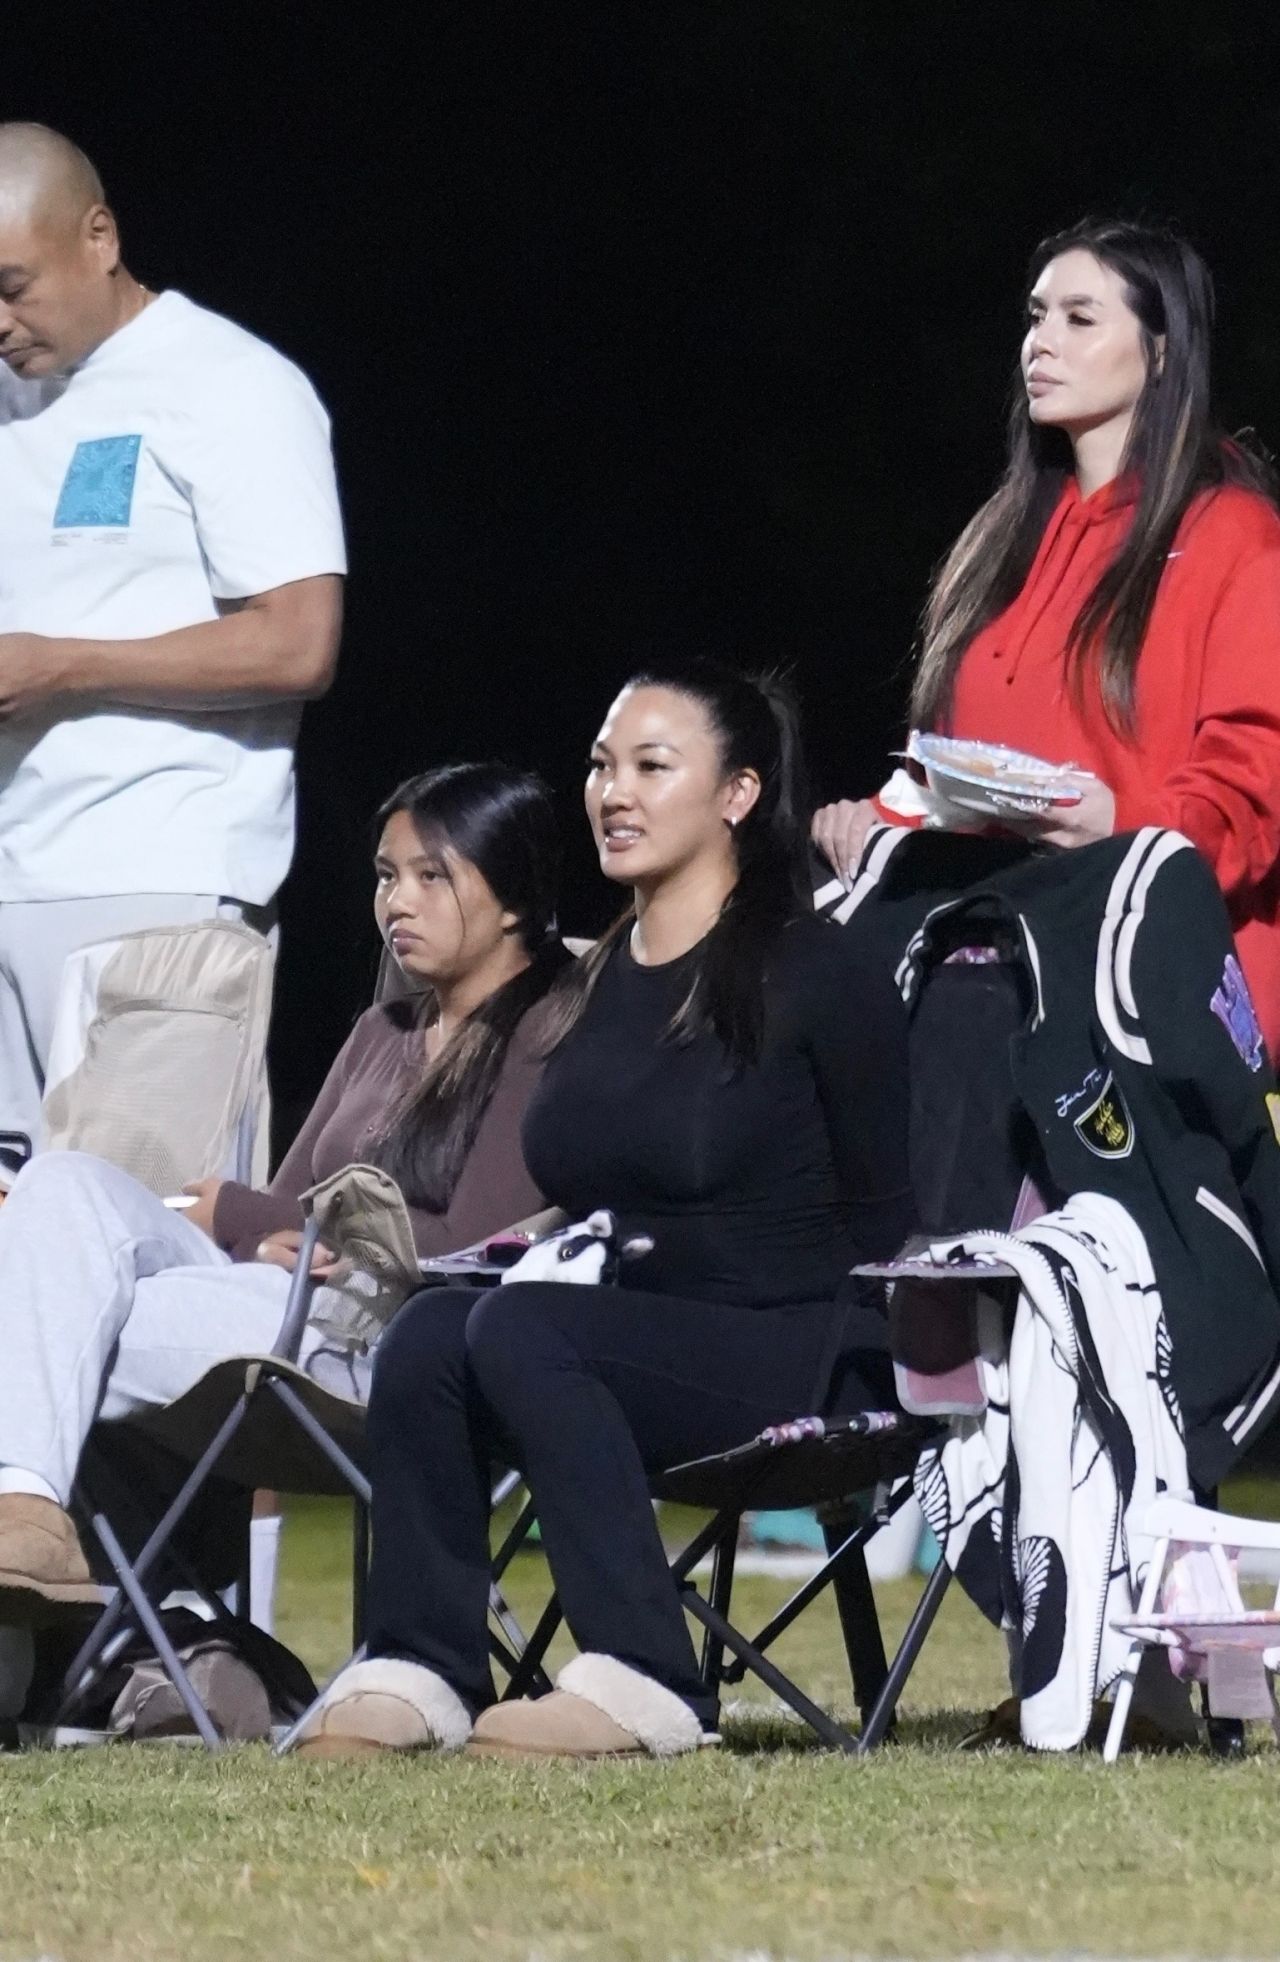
(171, 563)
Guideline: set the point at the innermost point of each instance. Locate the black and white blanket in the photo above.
(1029, 1501)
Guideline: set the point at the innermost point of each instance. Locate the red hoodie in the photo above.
(1206, 758)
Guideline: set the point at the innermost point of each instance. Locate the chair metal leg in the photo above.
(287, 1742)
(511, 1629)
(515, 1539)
(510, 1482)
(720, 1592)
(131, 1594)
(825, 1726)
(817, 1583)
(707, 1538)
(529, 1674)
(845, 1571)
(151, 1622)
(859, 1622)
(359, 1568)
(884, 1709)
(85, 1665)
(1120, 1707)
(220, 1615)
(1129, 1675)
(505, 1657)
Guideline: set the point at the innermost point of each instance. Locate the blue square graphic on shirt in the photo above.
(98, 487)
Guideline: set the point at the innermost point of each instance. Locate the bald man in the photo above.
(171, 563)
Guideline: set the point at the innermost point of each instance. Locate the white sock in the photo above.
(264, 1558)
(14, 1479)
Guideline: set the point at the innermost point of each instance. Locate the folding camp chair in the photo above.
(810, 1461)
(250, 1422)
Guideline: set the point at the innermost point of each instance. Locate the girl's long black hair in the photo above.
(501, 820)
(755, 721)
(1175, 450)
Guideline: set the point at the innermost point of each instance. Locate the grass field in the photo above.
(767, 1848)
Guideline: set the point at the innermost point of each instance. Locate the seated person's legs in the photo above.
(110, 1302)
(427, 1670)
(588, 1390)
(598, 1387)
(428, 1440)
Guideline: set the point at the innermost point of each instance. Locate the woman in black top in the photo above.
(728, 1076)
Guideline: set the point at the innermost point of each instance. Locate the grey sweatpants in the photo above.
(36, 937)
(110, 1303)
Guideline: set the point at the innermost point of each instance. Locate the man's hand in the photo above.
(281, 1250)
(840, 831)
(30, 673)
(205, 1192)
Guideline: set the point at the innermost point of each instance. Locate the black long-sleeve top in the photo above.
(762, 1184)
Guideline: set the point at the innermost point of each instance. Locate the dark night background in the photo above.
(687, 323)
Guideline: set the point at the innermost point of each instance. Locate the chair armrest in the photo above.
(301, 1288)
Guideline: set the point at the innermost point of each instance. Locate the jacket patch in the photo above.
(1233, 1006)
(1106, 1128)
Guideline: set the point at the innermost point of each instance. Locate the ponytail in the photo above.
(727, 994)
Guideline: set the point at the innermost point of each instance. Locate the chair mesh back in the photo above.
(159, 1050)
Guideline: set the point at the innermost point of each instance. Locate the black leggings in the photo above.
(586, 1389)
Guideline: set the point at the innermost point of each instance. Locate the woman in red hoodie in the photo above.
(1116, 604)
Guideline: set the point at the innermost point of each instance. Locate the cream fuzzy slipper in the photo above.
(600, 1708)
(384, 1704)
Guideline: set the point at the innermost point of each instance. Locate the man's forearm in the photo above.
(280, 647)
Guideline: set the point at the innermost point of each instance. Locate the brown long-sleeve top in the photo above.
(380, 1061)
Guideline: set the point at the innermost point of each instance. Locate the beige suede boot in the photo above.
(42, 1565)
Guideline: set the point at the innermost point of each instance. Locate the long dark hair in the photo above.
(1175, 450)
(756, 725)
(502, 821)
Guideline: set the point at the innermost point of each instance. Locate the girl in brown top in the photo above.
(113, 1301)
(433, 1087)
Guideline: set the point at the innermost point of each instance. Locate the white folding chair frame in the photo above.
(1171, 1520)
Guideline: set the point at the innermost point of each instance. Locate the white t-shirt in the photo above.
(183, 463)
